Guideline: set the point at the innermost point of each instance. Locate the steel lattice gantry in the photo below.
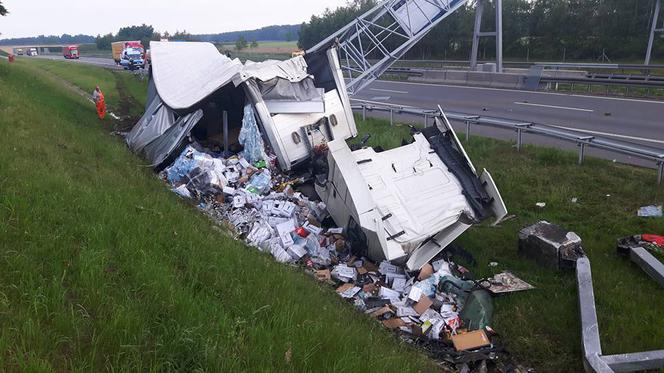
(370, 44)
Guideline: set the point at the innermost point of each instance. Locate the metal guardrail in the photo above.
(523, 64)
(593, 358)
(581, 140)
(639, 81)
(642, 83)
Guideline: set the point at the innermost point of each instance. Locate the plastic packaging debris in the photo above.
(650, 242)
(541, 204)
(260, 183)
(506, 282)
(182, 191)
(478, 310)
(264, 208)
(651, 211)
(250, 137)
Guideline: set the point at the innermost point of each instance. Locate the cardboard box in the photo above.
(423, 305)
(394, 323)
(471, 340)
(323, 275)
(425, 272)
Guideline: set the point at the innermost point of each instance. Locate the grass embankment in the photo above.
(541, 327)
(124, 92)
(103, 268)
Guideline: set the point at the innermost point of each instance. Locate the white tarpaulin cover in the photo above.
(186, 73)
(294, 70)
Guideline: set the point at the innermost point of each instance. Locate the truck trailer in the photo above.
(120, 47)
(404, 205)
(70, 52)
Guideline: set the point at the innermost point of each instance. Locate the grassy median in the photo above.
(104, 268)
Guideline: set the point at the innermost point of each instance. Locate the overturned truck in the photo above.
(404, 204)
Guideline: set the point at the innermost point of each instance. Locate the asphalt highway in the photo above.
(628, 120)
(98, 61)
(621, 118)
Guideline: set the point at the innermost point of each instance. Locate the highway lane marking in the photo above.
(555, 107)
(523, 91)
(387, 90)
(607, 134)
(555, 126)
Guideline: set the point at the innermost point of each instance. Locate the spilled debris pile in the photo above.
(651, 242)
(438, 306)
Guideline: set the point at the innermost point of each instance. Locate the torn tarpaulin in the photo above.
(250, 137)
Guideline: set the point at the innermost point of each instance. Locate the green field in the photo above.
(90, 50)
(104, 268)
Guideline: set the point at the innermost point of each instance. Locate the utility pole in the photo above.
(498, 34)
(653, 30)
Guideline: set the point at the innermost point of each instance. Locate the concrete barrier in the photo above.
(471, 78)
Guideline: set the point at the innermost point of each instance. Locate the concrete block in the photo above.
(550, 245)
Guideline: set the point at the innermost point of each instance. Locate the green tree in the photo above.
(240, 43)
(182, 36)
(3, 10)
(254, 44)
(144, 33)
(576, 30)
(104, 42)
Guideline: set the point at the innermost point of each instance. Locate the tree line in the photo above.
(532, 29)
(145, 33)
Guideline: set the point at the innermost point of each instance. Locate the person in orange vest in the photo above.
(98, 98)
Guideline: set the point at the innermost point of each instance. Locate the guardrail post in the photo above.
(519, 134)
(391, 117)
(467, 130)
(583, 141)
(364, 112)
(582, 152)
(660, 172)
(426, 121)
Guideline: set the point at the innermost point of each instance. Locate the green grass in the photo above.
(541, 327)
(103, 268)
(129, 101)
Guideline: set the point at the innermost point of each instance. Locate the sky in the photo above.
(57, 17)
